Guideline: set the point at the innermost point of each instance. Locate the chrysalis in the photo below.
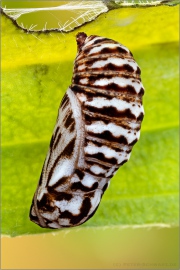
(98, 123)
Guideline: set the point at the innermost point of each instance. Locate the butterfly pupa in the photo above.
(98, 123)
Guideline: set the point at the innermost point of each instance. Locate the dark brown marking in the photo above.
(90, 61)
(92, 214)
(104, 40)
(140, 117)
(51, 141)
(45, 202)
(64, 101)
(138, 71)
(105, 187)
(30, 212)
(128, 68)
(111, 86)
(54, 137)
(72, 127)
(112, 112)
(40, 179)
(95, 118)
(58, 196)
(80, 39)
(141, 92)
(107, 135)
(79, 173)
(106, 50)
(76, 89)
(99, 144)
(94, 174)
(57, 141)
(91, 163)
(133, 142)
(109, 67)
(83, 89)
(76, 79)
(69, 120)
(68, 150)
(80, 186)
(126, 89)
(84, 210)
(124, 161)
(113, 50)
(60, 182)
(66, 214)
(117, 121)
(34, 218)
(101, 157)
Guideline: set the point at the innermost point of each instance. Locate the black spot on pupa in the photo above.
(141, 92)
(79, 186)
(105, 187)
(44, 203)
(101, 157)
(107, 135)
(85, 208)
(140, 117)
(79, 173)
(138, 71)
(92, 214)
(128, 68)
(133, 142)
(124, 161)
(112, 112)
(59, 196)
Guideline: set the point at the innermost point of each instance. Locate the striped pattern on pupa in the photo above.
(98, 123)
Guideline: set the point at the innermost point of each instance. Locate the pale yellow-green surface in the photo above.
(94, 249)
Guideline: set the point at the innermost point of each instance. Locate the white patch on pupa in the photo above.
(121, 82)
(115, 61)
(84, 81)
(73, 205)
(120, 105)
(99, 127)
(106, 45)
(88, 180)
(107, 151)
(97, 169)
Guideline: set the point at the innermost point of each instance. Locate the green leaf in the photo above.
(65, 16)
(36, 71)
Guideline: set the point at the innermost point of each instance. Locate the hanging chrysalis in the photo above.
(98, 123)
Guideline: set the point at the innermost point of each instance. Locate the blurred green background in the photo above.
(143, 196)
